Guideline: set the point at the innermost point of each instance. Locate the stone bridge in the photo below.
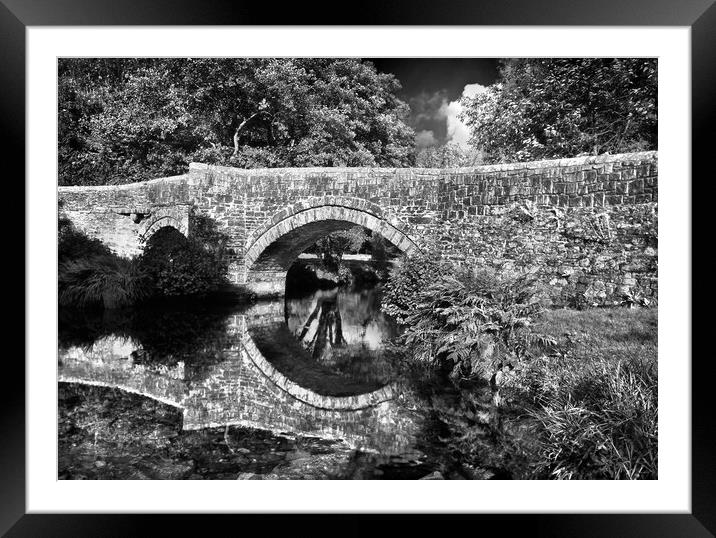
(587, 225)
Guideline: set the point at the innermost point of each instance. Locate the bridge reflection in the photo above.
(250, 370)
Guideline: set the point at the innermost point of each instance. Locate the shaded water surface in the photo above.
(311, 366)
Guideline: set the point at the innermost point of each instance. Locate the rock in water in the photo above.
(435, 475)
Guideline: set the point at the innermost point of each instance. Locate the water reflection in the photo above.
(323, 329)
(331, 341)
(312, 365)
(340, 317)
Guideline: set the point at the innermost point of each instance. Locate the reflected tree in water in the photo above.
(339, 340)
(328, 333)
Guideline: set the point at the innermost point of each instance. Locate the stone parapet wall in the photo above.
(583, 256)
(544, 214)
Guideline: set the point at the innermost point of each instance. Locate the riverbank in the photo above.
(106, 433)
(586, 409)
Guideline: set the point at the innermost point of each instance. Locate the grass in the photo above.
(583, 407)
(105, 280)
(90, 274)
(593, 396)
(608, 333)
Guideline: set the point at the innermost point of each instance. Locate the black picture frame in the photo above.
(699, 15)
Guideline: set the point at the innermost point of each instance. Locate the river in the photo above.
(311, 376)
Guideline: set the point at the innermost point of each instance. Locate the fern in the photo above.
(469, 320)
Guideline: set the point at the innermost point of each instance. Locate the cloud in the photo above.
(425, 139)
(436, 119)
(427, 113)
(457, 132)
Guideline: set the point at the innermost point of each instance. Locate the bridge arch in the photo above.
(161, 218)
(273, 247)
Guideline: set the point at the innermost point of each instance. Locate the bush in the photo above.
(364, 275)
(179, 266)
(407, 278)
(105, 280)
(471, 322)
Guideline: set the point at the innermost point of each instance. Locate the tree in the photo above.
(132, 119)
(332, 247)
(554, 108)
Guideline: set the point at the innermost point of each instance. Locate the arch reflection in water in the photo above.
(231, 376)
(329, 341)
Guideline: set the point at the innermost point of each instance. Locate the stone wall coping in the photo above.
(201, 168)
(545, 163)
(123, 186)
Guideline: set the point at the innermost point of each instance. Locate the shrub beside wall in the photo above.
(91, 275)
(471, 322)
(180, 266)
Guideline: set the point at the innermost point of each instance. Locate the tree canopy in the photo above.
(123, 120)
(554, 108)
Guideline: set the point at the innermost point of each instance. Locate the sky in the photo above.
(432, 87)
